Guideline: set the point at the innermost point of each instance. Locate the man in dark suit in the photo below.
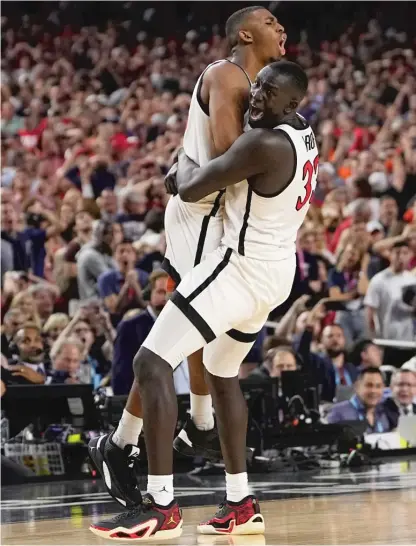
(132, 332)
(401, 402)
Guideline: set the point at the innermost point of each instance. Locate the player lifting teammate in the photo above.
(269, 174)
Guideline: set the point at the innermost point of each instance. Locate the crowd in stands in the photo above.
(92, 116)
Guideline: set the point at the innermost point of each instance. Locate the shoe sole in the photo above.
(98, 460)
(159, 535)
(251, 527)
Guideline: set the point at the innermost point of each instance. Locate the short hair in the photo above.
(155, 276)
(29, 326)
(36, 288)
(401, 244)
(125, 241)
(399, 371)
(371, 370)
(358, 348)
(69, 342)
(236, 21)
(294, 72)
(55, 321)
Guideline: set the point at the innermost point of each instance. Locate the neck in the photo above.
(338, 360)
(397, 270)
(245, 58)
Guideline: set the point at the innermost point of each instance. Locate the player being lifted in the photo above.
(216, 120)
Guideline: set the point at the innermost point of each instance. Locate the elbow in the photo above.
(188, 194)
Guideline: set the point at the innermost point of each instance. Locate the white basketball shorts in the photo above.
(193, 230)
(220, 305)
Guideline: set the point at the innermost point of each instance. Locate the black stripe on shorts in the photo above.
(212, 277)
(245, 222)
(193, 316)
(204, 227)
(242, 336)
(171, 271)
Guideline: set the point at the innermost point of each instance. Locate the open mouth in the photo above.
(282, 42)
(255, 113)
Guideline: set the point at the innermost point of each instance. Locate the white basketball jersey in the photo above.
(198, 143)
(265, 228)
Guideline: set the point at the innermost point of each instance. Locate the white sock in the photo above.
(161, 488)
(237, 486)
(128, 430)
(201, 411)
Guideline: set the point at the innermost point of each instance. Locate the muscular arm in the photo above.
(257, 152)
(225, 89)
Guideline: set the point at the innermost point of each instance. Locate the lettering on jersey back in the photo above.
(309, 141)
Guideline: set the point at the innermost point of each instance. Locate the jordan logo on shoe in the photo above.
(172, 520)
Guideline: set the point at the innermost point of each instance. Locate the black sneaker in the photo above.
(193, 442)
(149, 521)
(117, 468)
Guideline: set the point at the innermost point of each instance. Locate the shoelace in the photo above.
(129, 514)
(144, 507)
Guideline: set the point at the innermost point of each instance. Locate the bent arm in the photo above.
(250, 155)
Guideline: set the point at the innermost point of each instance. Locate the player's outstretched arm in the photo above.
(251, 154)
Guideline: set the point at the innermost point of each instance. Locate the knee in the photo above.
(221, 386)
(149, 367)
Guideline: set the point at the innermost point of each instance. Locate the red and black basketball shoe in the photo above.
(235, 518)
(147, 522)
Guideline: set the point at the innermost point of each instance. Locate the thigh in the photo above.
(215, 296)
(191, 233)
(223, 356)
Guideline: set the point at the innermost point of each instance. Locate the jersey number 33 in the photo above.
(310, 171)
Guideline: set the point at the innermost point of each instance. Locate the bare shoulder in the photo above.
(271, 142)
(226, 75)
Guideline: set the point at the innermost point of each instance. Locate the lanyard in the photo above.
(347, 377)
(377, 425)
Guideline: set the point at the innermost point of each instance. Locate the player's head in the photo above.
(256, 27)
(276, 93)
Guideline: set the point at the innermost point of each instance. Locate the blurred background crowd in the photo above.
(94, 106)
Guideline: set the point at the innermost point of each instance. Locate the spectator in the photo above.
(30, 361)
(66, 363)
(329, 367)
(278, 360)
(401, 402)
(54, 326)
(348, 283)
(108, 205)
(13, 322)
(366, 354)
(388, 316)
(95, 259)
(365, 405)
(44, 301)
(121, 288)
(133, 215)
(25, 303)
(132, 332)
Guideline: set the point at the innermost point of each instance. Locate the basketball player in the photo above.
(269, 174)
(216, 119)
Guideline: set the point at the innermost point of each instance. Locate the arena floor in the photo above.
(370, 506)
